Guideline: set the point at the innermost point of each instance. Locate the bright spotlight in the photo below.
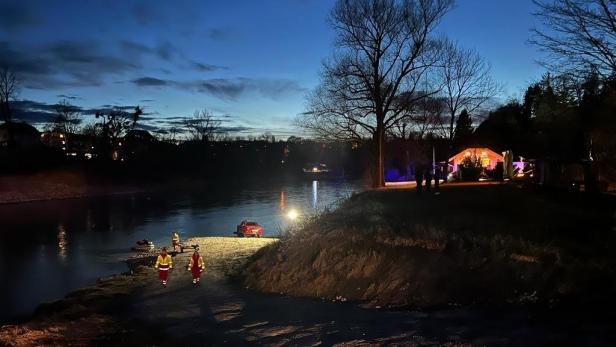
(292, 214)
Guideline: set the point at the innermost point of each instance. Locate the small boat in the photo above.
(143, 246)
(316, 171)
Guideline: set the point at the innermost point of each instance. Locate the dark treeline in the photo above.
(140, 157)
(114, 147)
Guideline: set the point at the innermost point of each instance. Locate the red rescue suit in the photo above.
(164, 263)
(196, 266)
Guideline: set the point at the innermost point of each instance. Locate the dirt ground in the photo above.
(137, 311)
(220, 312)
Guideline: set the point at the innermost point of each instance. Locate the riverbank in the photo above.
(490, 245)
(100, 314)
(134, 310)
(57, 185)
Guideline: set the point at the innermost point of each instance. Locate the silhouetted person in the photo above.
(428, 176)
(418, 172)
(437, 177)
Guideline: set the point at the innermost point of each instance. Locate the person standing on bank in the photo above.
(164, 263)
(196, 266)
(175, 242)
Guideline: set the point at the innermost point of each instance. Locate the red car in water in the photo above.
(249, 228)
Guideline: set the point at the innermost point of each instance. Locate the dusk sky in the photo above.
(249, 62)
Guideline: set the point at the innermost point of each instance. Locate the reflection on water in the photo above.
(62, 242)
(315, 192)
(52, 247)
(282, 202)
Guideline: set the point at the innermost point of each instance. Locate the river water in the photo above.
(50, 248)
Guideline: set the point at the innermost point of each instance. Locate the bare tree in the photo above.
(113, 126)
(67, 119)
(202, 126)
(468, 84)
(9, 88)
(577, 35)
(383, 50)
(425, 118)
(136, 115)
(267, 137)
(173, 131)
(118, 124)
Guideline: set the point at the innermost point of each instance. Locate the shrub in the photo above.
(470, 169)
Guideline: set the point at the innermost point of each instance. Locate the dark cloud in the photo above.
(33, 117)
(166, 51)
(69, 97)
(218, 34)
(145, 14)
(32, 112)
(16, 15)
(134, 48)
(161, 131)
(234, 129)
(40, 112)
(149, 82)
(221, 87)
(107, 108)
(206, 67)
(64, 63)
(233, 88)
(147, 127)
(229, 89)
(86, 63)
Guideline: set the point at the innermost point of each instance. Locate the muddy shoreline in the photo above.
(97, 314)
(135, 310)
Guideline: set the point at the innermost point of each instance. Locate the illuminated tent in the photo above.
(486, 156)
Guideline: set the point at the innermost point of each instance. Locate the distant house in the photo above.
(486, 156)
(54, 139)
(19, 135)
(138, 135)
(72, 145)
(136, 143)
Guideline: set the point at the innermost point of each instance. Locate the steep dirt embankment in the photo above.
(398, 249)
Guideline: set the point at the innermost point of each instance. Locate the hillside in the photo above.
(496, 244)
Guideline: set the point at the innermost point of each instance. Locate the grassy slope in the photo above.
(487, 244)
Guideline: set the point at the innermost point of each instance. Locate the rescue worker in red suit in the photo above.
(164, 263)
(196, 265)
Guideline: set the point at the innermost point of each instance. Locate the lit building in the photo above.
(487, 157)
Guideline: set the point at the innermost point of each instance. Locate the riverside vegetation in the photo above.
(491, 245)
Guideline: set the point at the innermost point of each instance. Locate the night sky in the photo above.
(249, 62)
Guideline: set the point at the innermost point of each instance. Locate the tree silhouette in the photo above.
(464, 129)
(67, 118)
(202, 126)
(137, 113)
(578, 35)
(383, 49)
(9, 88)
(467, 82)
